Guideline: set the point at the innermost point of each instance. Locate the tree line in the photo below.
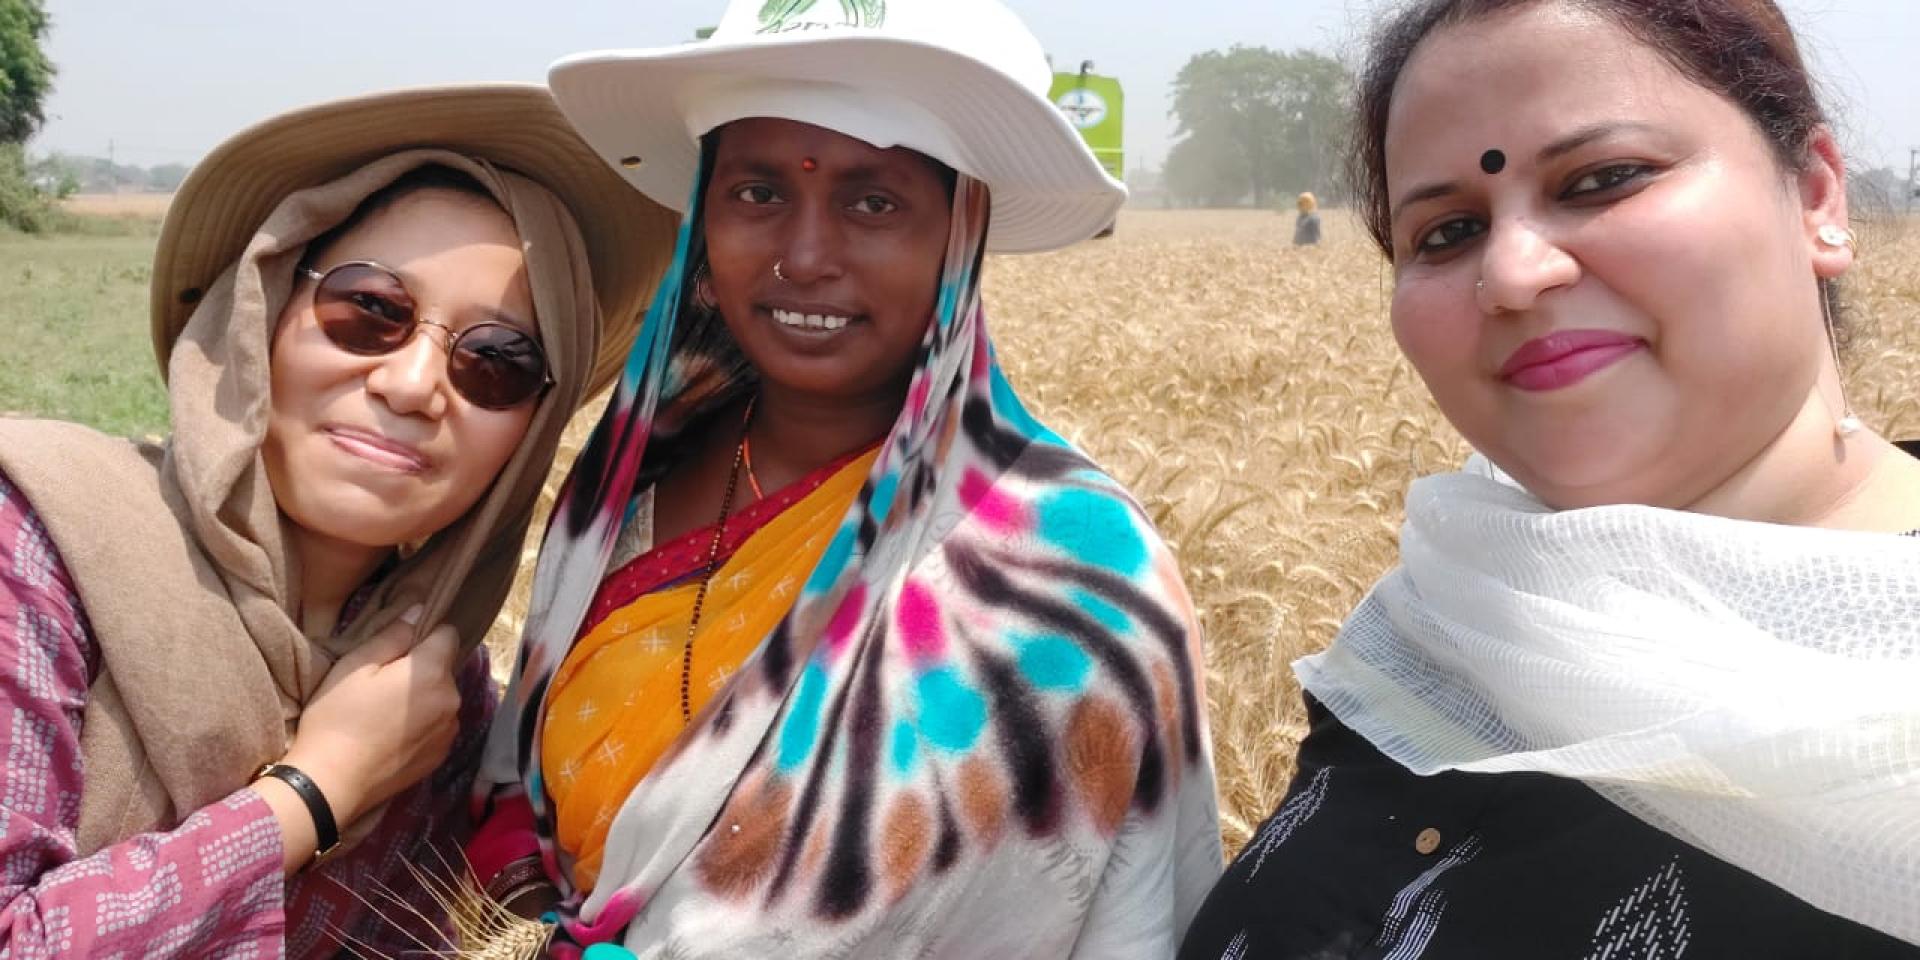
(1257, 126)
(63, 175)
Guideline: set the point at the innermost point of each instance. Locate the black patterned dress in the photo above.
(1369, 861)
(1364, 859)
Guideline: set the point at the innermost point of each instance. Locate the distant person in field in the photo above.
(1647, 681)
(371, 349)
(1306, 226)
(834, 650)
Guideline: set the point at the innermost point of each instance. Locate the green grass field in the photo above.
(73, 314)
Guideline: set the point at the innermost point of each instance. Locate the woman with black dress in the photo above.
(1647, 682)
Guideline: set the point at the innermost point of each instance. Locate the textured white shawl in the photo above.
(1752, 689)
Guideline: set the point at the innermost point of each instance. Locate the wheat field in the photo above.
(1251, 396)
(151, 206)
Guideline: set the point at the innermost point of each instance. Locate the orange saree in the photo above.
(615, 699)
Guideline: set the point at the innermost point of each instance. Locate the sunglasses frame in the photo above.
(319, 278)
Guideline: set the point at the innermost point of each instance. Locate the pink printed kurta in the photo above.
(211, 887)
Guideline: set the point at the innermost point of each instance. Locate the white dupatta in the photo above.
(1752, 689)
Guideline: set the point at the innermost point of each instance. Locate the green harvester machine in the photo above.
(1095, 106)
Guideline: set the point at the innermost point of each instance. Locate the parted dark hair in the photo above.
(1743, 50)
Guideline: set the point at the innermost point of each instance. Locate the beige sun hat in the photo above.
(962, 81)
(515, 126)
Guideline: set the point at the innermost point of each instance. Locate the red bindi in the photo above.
(809, 164)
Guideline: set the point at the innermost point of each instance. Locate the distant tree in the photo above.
(1876, 192)
(26, 75)
(22, 205)
(1206, 170)
(99, 175)
(55, 174)
(167, 177)
(1255, 122)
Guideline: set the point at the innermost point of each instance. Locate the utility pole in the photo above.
(113, 173)
(1913, 178)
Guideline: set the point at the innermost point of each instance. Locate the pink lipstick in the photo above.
(1562, 359)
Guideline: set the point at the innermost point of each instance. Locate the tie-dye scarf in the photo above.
(980, 732)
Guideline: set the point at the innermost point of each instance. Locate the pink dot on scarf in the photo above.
(918, 614)
(1000, 512)
(846, 618)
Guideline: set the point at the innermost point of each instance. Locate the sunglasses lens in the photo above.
(363, 309)
(495, 366)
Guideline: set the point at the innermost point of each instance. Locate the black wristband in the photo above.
(326, 832)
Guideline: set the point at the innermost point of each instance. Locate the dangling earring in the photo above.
(1848, 424)
(1837, 237)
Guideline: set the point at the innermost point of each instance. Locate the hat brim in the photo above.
(1048, 189)
(516, 126)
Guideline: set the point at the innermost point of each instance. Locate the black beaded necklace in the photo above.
(713, 557)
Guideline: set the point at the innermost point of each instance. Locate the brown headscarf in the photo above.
(178, 551)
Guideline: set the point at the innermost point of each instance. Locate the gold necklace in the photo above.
(713, 557)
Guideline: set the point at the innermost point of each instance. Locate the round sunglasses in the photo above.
(365, 309)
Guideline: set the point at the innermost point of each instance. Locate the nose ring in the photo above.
(777, 275)
(1479, 286)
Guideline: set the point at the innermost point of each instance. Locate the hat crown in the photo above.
(982, 30)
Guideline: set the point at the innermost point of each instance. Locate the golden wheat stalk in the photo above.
(480, 929)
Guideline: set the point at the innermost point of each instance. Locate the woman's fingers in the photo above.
(388, 644)
(441, 648)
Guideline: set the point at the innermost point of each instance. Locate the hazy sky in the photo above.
(165, 81)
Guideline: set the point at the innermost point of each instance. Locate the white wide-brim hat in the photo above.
(962, 81)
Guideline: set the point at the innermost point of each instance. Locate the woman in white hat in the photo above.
(834, 649)
(218, 652)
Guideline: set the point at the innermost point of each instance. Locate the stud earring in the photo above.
(1836, 236)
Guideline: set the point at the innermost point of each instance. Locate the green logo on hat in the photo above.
(777, 16)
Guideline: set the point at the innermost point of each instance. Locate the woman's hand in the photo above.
(382, 720)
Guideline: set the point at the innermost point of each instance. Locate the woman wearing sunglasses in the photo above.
(834, 649)
(229, 727)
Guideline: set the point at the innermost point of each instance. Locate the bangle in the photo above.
(513, 896)
(515, 879)
(326, 832)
